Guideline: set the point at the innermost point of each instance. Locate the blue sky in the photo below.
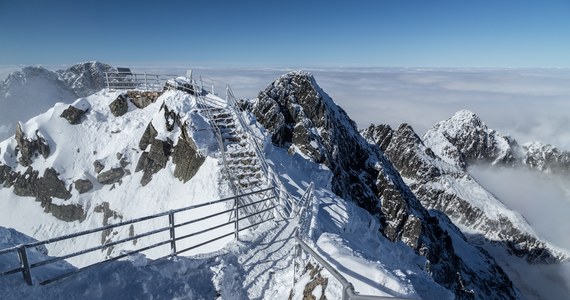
(382, 33)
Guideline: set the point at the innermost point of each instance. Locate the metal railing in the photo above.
(287, 201)
(348, 291)
(136, 81)
(302, 231)
(27, 265)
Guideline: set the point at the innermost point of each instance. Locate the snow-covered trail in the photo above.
(264, 258)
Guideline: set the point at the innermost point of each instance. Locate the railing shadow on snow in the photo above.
(240, 223)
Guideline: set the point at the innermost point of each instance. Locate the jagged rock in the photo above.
(73, 115)
(112, 176)
(108, 213)
(44, 189)
(98, 166)
(397, 144)
(83, 185)
(546, 158)
(142, 99)
(30, 148)
(186, 158)
(120, 106)
(185, 154)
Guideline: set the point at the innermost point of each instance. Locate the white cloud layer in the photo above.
(529, 104)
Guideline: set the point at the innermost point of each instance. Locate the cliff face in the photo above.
(304, 119)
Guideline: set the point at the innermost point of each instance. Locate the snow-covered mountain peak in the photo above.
(85, 78)
(464, 138)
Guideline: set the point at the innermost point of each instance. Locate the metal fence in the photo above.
(239, 221)
(137, 81)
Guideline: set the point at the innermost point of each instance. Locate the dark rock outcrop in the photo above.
(67, 212)
(30, 148)
(73, 115)
(111, 176)
(44, 189)
(83, 185)
(119, 106)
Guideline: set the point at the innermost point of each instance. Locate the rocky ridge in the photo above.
(301, 117)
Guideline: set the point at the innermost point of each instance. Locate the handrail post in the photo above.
(236, 209)
(107, 80)
(25, 264)
(145, 82)
(172, 233)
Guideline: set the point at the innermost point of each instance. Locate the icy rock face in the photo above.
(438, 186)
(86, 78)
(464, 138)
(301, 117)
